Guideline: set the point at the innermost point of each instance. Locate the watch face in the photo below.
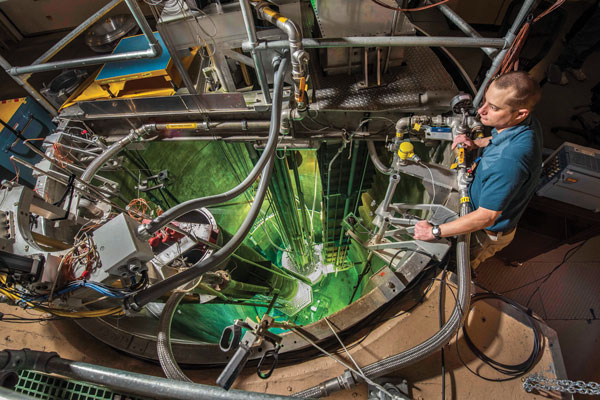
(436, 231)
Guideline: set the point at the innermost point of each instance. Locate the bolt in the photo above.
(391, 285)
(26, 247)
(289, 388)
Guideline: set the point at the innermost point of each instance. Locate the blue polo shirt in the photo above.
(508, 173)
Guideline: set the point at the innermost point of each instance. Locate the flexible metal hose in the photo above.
(426, 348)
(163, 343)
(158, 289)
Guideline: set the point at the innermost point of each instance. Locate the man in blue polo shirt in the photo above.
(507, 174)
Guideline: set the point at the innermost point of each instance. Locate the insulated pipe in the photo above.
(267, 159)
(426, 348)
(376, 161)
(191, 205)
(256, 56)
(384, 41)
(509, 38)
(154, 51)
(463, 26)
(298, 55)
(126, 381)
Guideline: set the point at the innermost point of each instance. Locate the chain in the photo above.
(540, 382)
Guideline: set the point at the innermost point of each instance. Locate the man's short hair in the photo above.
(526, 91)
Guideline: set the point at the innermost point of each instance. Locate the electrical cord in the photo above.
(512, 370)
(382, 4)
(570, 253)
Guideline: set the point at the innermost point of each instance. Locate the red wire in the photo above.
(382, 4)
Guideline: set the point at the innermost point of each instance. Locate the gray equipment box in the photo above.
(121, 252)
(572, 175)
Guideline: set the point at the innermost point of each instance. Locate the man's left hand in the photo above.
(423, 231)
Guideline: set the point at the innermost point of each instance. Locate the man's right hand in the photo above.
(466, 142)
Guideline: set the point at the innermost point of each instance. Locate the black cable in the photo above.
(512, 370)
(568, 254)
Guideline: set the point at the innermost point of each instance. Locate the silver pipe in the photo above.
(509, 38)
(126, 381)
(464, 26)
(256, 56)
(298, 55)
(115, 148)
(389, 50)
(76, 32)
(384, 41)
(242, 59)
(29, 89)
(214, 125)
(148, 386)
(8, 394)
(154, 51)
(375, 159)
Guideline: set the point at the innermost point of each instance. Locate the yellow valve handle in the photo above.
(461, 155)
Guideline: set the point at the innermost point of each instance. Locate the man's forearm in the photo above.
(468, 223)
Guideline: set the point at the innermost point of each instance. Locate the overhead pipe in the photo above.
(298, 55)
(264, 164)
(379, 165)
(155, 50)
(52, 51)
(121, 380)
(29, 89)
(509, 38)
(464, 26)
(256, 56)
(384, 41)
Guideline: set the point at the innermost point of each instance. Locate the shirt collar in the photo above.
(508, 133)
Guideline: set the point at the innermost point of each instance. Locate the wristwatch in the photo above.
(436, 231)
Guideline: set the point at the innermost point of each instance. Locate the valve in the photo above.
(406, 152)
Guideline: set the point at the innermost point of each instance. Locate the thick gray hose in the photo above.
(158, 289)
(428, 347)
(376, 161)
(194, 204)
(163, 343)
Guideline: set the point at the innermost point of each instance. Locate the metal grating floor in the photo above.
(422, 73)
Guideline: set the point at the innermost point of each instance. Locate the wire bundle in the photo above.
(512, 370)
